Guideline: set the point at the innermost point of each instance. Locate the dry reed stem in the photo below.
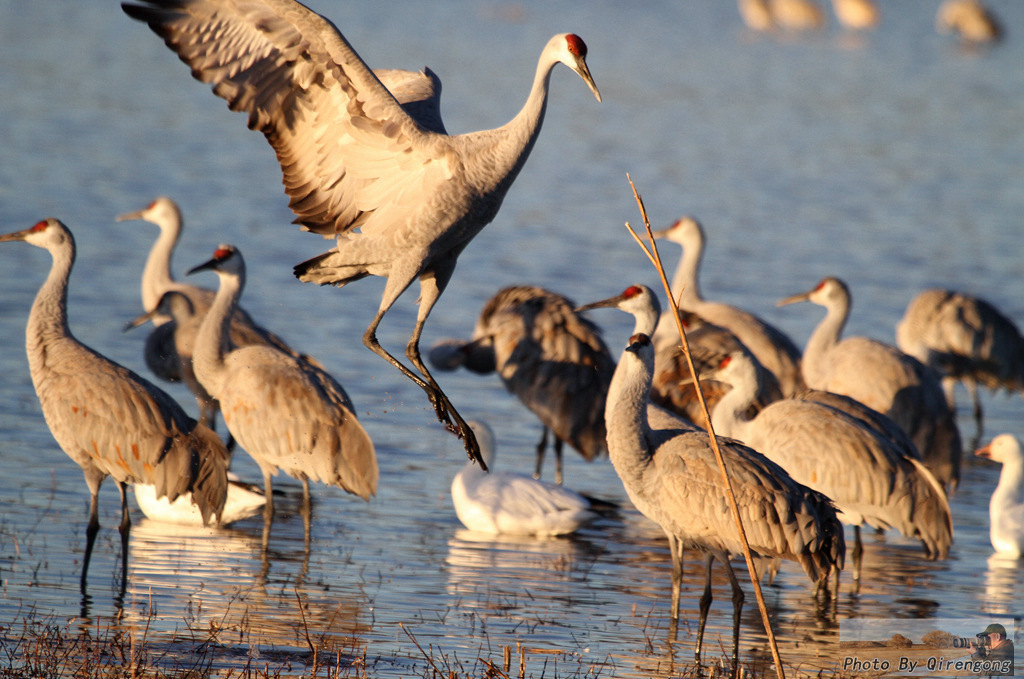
(655, 257)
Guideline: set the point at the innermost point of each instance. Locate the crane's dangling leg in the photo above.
(705, 604)
(431, 286)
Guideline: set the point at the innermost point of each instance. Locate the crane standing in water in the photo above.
(168, 351)
(552, 359)
(286, 413)
(670, 474)
(881, 377)
(965, 339)
(402, 197)
(107, 419)
(773, 348)
(870, 478)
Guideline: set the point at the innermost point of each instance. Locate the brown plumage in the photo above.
(402, 198)
(286, 413)
(869, 477)
(881, 377)
(965, 339)
(107, 419)
(669, 472)
(551, 358)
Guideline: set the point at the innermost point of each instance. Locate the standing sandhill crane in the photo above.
(883, 378)
(965, 339)
(970, 20)
(509, 503)
(168, 348)
(870, 480)
(105, 417)
(670, 474)
(772, 347)
(550, 357)
(856, 15)
(1006, 508)
(286, 413)
(672, 386)
(401, 196)
(786, 15)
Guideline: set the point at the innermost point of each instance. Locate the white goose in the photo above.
(510, 503)
(1006, 508)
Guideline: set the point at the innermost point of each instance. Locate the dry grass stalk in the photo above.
(655, 257)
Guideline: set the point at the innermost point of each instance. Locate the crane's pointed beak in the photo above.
(584, 72)
(140, 320)
(205, 266)
(793, 299)
(603, 304)
(17, 235)
(129, 216)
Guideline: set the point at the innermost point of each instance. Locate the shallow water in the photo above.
(893, 161)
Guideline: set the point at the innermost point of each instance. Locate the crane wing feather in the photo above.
(347, 147)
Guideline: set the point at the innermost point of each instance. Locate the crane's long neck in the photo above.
(212, 341)
(685, 286)
(822, 341)
(511, 144)
(729, 415)
(1010, 491)
(48, 320)
(625, 418)
(156, 276)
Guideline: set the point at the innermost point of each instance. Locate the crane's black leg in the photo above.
(858, 554)
(307, 512)
(431, 286)
(705, 604)
(675, 548)
(268, 508)
(541, 449)
(737, 608)
(558, 459)
(91, 531)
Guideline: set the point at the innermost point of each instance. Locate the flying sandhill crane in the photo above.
(883, 378)
(105, 417)
(509, 503)
(401, 196)
(672, 386)
(670, 474)
(965, 339)
(550, 357)
(1006, 508)
(168, 347)
(870, 480)
(856, 15)
(286, 413)
(970, 20)
(772, 347)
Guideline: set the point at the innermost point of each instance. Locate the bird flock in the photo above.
(847, 430)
